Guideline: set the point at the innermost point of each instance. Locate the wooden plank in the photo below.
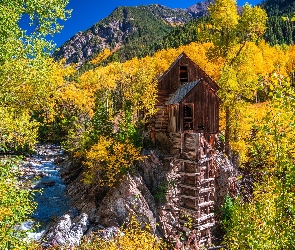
(208, 180)
(196, 188)
(189, 197)
(206, 226)
(205, 217)
(189, 174)
(189, 211)
(205, 204)
(206, 190)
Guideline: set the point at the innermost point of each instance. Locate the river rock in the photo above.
(104, 233)
(66, 232)
(58, 233)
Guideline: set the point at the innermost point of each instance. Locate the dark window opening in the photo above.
(183, 74)
(188, 117)
(201, 127)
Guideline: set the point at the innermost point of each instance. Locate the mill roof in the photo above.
(182, 91)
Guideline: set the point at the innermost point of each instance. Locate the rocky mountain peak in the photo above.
(199, 9)
(128, 26)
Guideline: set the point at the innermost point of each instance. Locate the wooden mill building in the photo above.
(187, 99)
(188, 116)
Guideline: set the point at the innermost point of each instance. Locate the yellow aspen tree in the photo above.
(229, 30)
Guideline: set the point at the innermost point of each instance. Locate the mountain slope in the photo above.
(279, 7)
(141, 30)
(279, 31)
(136, 27)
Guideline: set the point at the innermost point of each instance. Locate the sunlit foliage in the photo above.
(19, 40)
(17, 131)
(268, 221)
(28, 77)
(15, 206)
(108, 160)
(28, 86)
(230, 34)
(132, 236)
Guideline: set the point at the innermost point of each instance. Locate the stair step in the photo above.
(206, 226)
(205, 190)
(205, 217)
(189, 187)
(188, 211)
(197, 226)
(198, 221)
(206, 204)
(196, 206)
(189, 174)
(207, 180)
(188, 197)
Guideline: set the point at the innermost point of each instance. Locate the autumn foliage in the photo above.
(108, 160)
(131, 236)
(101, 115)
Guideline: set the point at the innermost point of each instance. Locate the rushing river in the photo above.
(52, 200)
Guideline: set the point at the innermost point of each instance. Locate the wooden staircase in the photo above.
(197, 169)
(196, 201)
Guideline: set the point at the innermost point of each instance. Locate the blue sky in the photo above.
(86, 13)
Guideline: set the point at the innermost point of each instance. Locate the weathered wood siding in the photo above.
(167, 86)
(169, 118)
(170, 81)
(206, 109)
(174, 122)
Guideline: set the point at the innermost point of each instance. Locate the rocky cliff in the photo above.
(152, 194)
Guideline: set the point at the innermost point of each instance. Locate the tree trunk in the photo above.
(227, 131)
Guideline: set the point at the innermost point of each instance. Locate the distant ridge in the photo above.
(141, 30)
(129, 29)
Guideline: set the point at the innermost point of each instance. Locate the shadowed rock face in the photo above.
(130, 197)
(112, 207)
(225, 180)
